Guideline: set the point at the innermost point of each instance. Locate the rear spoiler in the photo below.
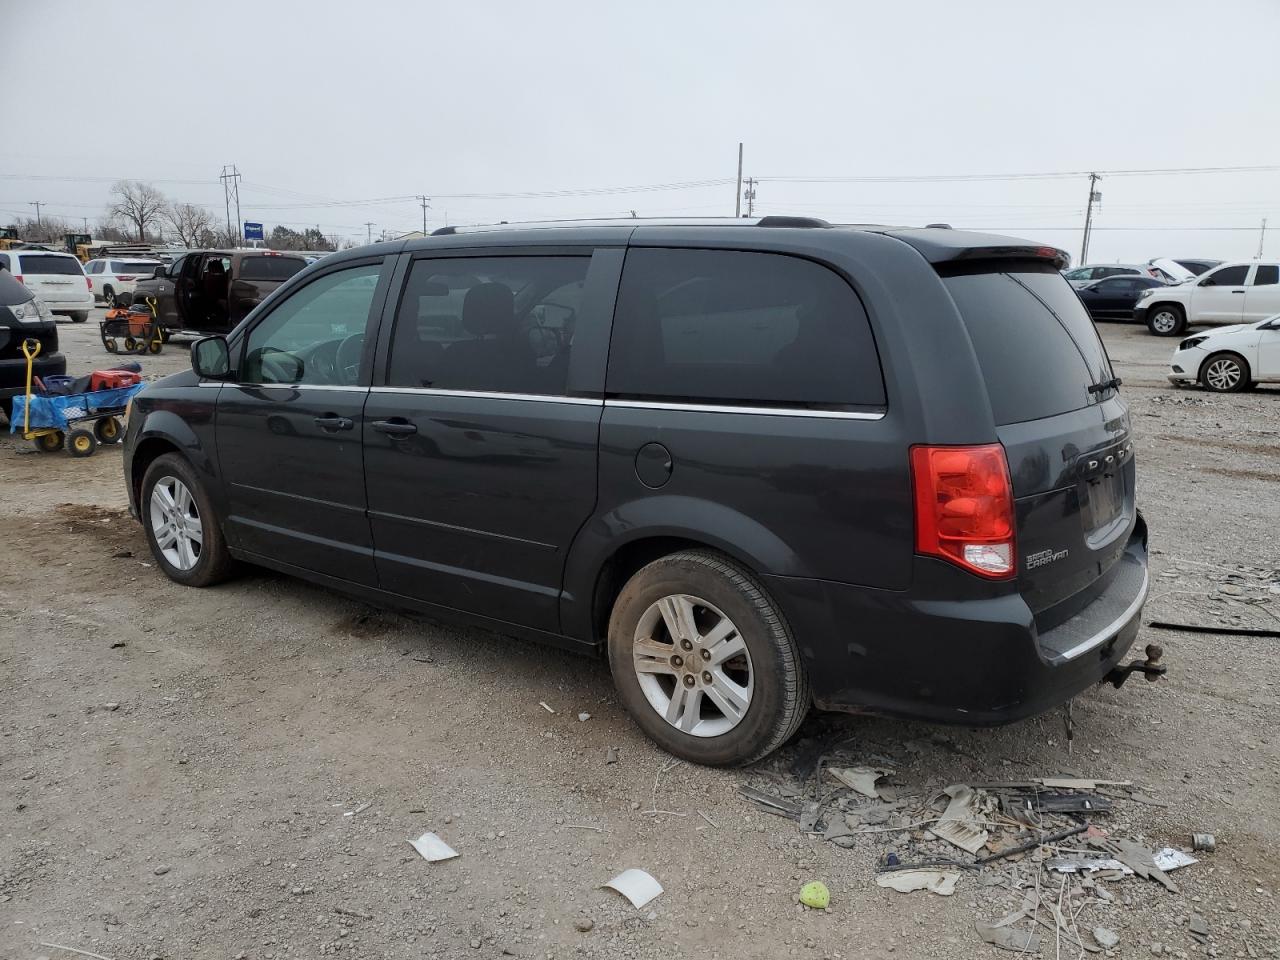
(958, 247)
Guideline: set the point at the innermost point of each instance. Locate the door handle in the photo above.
(332, 422)
(395, 428)
(1237, 291)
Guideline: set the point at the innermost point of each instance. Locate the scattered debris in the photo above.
(584, 717)
(861, 779)
(611, 755)
(815, 895)
(543, 705)
(160, 871)
(118, 644)
(636, 885)
(709, 820)
(585, 826)
(433, 848)
(344, 912)
(771, 804)
(1204, 841)
(1198, 925)
(1106, 939)
(963, 822)
(111, 706)
(584, 924)
(83, 953)
(360, 809)
(941, 882)
(1008, 938)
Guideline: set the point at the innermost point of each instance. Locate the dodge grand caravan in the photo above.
(759, 465)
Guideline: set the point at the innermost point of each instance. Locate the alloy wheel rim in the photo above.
(175, 523)
(693, 665)
(1223, 374)
(1164, 321)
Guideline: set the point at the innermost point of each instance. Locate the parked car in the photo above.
(863, 468)
(1230, 359)
(210, 291)
(1197, 267)
(1114, 297)
(1231, 293)
(1090, 272)
(113, 281)
(56, 278)
(23, 316)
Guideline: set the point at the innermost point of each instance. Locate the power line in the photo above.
(1056, 175)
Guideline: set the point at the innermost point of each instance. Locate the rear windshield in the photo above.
(43, 263)
(1037, 347)
(133, 266)
(270, 268)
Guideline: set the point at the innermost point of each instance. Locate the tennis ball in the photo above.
(815, 894)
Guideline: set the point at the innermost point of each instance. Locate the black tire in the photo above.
(49, 442)
(80, 316)
(155, 346)
(1166, 320)
(130, 344)
(108, 430)
(1225, 373)
(214, 563)
(81, 443)
(111, 345)
(780, 696)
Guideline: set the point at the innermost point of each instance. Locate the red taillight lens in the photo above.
(964, 507)
(88, 283)
(125, 276)
(18, 277)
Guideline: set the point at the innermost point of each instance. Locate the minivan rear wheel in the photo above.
(705, 662)
(182, 528)
(1166, 320)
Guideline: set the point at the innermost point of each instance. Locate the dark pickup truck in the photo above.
(210, 291)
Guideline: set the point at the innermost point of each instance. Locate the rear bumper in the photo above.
(931, 654)
(13, 373)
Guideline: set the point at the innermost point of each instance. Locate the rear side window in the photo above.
(1266, 275)
(38, 264)
(489, 324)
(270, 268)
(735, 327)
(1038, 349)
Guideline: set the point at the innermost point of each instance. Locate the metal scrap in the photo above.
(771, 804)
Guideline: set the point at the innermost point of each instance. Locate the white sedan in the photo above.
(1230, 358)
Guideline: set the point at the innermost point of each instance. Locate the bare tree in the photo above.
(193, 224)
(110, 232)
(137, 203)
(47, 230)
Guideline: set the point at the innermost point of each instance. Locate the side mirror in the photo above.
(211, 358)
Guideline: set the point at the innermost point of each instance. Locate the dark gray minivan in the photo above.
(762, 464)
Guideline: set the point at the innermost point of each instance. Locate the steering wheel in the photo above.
(346, 362)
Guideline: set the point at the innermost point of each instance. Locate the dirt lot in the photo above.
(177, 766)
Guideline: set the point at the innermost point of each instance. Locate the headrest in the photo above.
(488, 308)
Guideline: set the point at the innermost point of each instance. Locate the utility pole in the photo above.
(368, 231)
(86, 223)
(425, 202)
(750, 196)
(37, 204)
(1094, 197)
(230, 178)
(737, 196)
(1262, 236)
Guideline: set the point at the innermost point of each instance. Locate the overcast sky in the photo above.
(319, 102)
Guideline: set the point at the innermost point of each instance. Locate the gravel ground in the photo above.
(221, 773)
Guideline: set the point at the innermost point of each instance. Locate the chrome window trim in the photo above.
(489, 395)
(752, 411)
(1110, 630)
(283, 386)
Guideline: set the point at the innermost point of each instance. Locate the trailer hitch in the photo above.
(1151, 667)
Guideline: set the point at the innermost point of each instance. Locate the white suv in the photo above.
(56, 278)
(112, 277)
(1230, 293)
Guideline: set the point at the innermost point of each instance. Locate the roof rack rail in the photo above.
(938, 226)
(780, 221)
(444, 231)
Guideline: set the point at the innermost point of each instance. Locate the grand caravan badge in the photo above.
(1043, 557)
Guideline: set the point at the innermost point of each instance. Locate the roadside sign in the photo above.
(252, 231)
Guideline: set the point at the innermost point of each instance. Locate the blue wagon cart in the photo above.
(79, 421)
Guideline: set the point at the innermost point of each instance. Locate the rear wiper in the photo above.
(1111, 384)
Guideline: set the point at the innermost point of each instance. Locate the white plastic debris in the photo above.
(1106, 939)
(584, 717)
(636, 885)
(861, 779)
(1170, 859)
(941, 882)
(360, 809)
(433, 848)
(544, 706)
(962, 823)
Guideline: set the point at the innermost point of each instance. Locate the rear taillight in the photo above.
(125, 276)
(18, 277)
(964, 507)
(88, 283)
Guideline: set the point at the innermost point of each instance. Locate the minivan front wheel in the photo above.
(182, 528)
(704, 661)
(1166, 320)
